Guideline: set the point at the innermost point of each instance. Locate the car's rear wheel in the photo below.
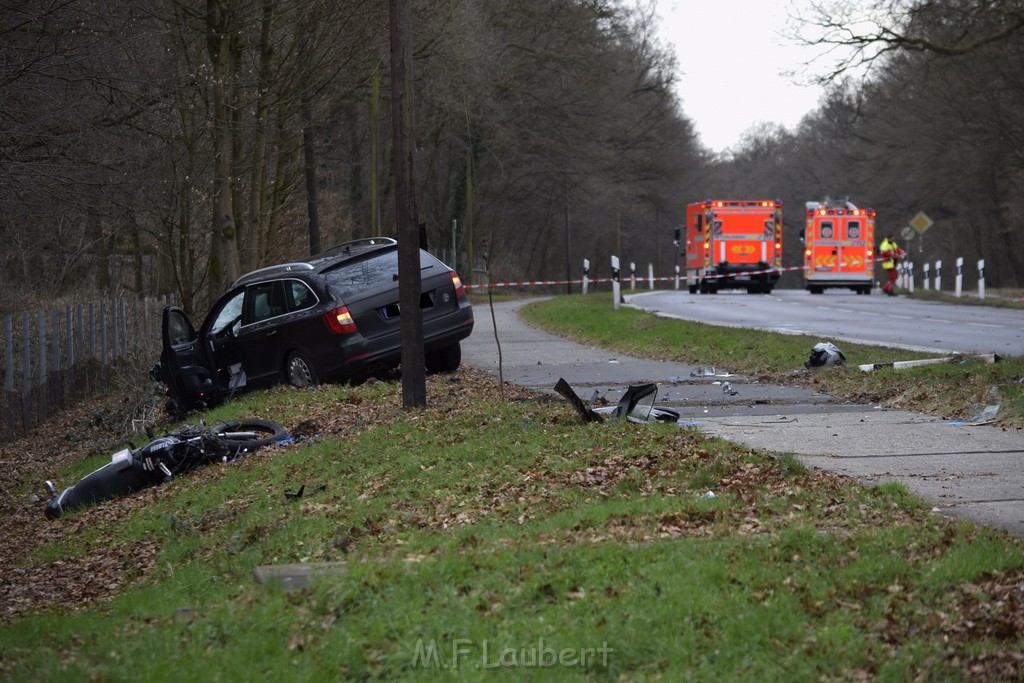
(299, 371)
(447, 359)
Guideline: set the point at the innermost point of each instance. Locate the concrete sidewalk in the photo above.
(975, 472)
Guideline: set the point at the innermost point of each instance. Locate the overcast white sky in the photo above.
(731, 56)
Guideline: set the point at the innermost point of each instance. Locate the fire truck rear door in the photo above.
(851, 245)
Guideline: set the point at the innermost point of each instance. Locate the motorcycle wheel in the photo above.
(243, 436)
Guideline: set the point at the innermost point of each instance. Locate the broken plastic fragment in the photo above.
(986, 416)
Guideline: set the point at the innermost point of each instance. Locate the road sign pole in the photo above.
(616, 285)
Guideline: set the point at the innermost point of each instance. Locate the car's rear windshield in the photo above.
(353, 277)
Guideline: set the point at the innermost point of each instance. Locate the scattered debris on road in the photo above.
(636, 405)
(709, 371)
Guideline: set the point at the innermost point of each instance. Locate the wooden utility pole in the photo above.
(414, 381)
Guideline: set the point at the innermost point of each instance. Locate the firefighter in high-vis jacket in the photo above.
(891, 255)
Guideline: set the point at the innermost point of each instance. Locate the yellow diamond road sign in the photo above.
(921, 222)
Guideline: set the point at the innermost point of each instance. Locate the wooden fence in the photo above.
(54, 357)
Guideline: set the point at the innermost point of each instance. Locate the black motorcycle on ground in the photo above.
(164, 458)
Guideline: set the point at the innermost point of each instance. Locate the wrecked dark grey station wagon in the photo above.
(333, 317)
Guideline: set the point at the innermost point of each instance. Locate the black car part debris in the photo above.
(295, 495)
(162, 459)
(823, 354)
(586, 412)
(636, 405)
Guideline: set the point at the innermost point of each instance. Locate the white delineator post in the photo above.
(938, 275)
(958, 289)
(910, 277)
(586, 275)
(927, 277)
(650, 276)
(632, 275)
(616, 286)
(981, 278)
(677, 278)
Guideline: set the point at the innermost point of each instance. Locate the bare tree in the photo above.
(857, 34)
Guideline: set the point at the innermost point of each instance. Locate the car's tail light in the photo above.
(339, 321)
(460, 289)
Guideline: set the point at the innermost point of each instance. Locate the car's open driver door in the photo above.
(181, 361)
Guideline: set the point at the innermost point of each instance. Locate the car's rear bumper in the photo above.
(358, 357)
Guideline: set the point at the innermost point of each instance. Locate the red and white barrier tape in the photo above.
(624, 279)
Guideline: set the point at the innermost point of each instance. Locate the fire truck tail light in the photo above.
(871, 253)
(807, 253)
(778, 245)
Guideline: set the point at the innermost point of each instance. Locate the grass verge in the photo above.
(950, 390)
(495, 537)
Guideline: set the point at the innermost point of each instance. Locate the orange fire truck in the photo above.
(838, 246)
(733, 244)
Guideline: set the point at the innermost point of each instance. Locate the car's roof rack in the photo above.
(303, 265)
(361, 242)
(279, 268)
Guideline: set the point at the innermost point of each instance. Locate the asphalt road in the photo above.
(965, 471)
(842, 315)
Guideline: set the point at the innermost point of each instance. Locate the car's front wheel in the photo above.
(447, 359)
(299, 371)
